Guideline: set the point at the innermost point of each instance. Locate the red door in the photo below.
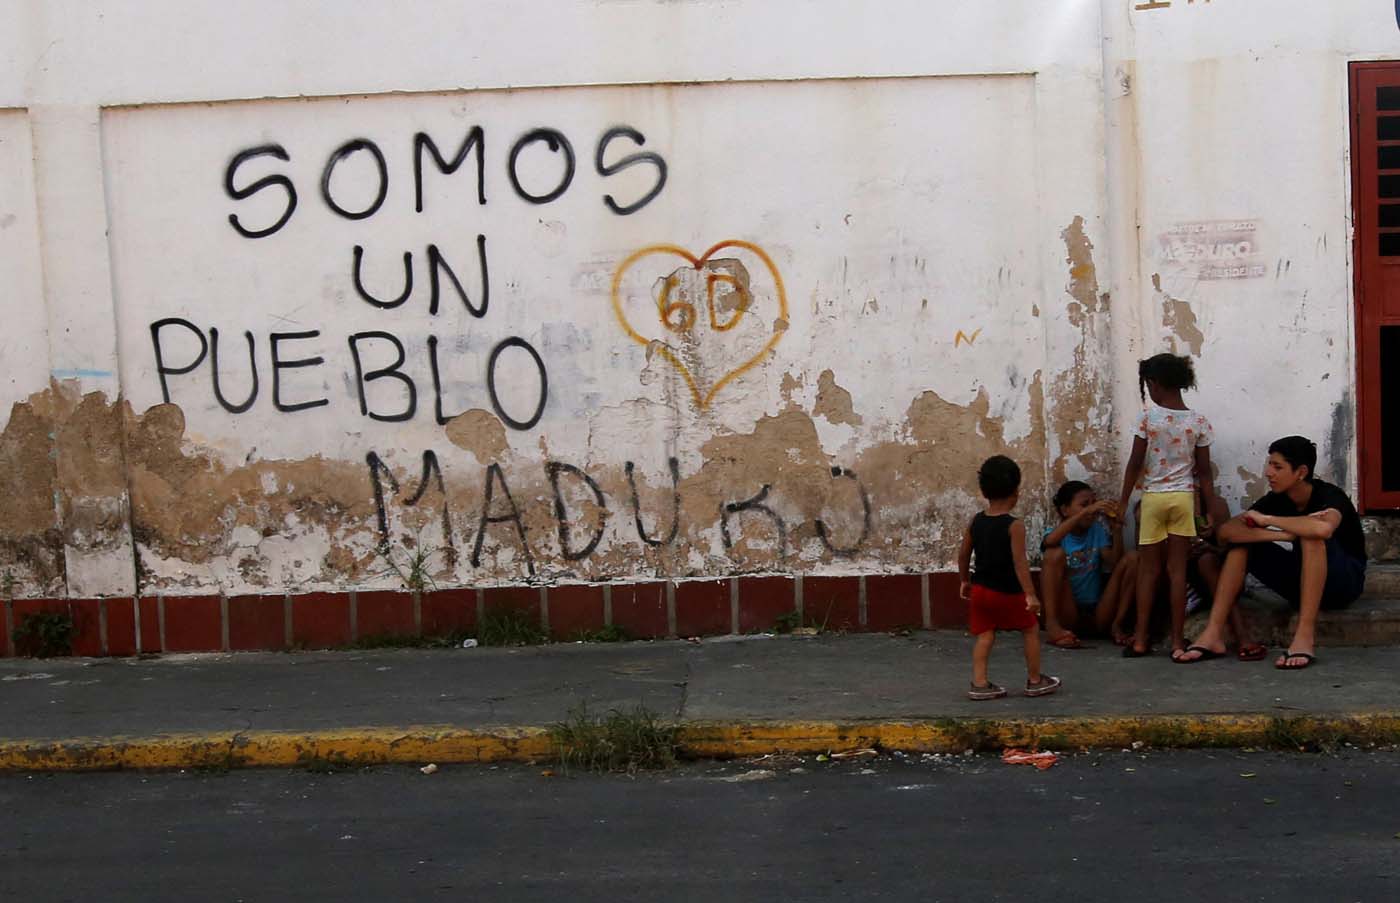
(1375, 138)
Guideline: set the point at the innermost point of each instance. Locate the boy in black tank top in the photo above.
(999, 593)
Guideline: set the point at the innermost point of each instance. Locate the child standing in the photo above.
(1171, 455)
(1000, 593)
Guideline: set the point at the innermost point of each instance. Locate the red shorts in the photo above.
(991, 610)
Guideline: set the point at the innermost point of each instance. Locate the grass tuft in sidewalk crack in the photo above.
(509, 627)
(620, 741)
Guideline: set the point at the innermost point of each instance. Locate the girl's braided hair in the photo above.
(1170, 371)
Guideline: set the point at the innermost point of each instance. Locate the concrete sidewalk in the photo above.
(732, 696)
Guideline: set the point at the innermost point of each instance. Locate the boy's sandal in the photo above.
(1044, 687)
(1066, 640)
(1253, 652)
(1202, 655)
(1283, 665)
(990, 691)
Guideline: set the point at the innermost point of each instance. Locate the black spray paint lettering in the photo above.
(357, 263)
(553, 139)
(569, 531)
(344, 152)
(638, 159)
(214, 367)
(476, 138)
(357, 345)
(556, 142)
(441, 418)
(675, 467)
(822, 531)
(278, 365)
(516, 342)
(437, 267)
(393, 371)
(162, 371)
(753, 504)
(494, 475)
(437, 263)
(238, 194)
(556, 469)
(432, 474)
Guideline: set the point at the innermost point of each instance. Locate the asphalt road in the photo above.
(1144, 826)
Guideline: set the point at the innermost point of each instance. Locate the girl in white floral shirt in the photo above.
(1171, 453)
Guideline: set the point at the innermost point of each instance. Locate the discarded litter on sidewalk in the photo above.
(430, 768)
(1041, 760)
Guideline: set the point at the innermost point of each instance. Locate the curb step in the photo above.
(1372, 620)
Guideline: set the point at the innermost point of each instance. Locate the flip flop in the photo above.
(1283, 665)
(1066, 640)
(1253, 652)
(1130, 652)
(1204, 656)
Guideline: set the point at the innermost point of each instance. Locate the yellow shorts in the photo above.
(1166, 513)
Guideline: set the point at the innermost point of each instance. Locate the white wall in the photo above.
(932, 169)
(1238, 111)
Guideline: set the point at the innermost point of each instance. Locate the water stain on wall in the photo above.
(1255, 486)
(479, 432)
(770, 499)
(1080, 404)
(1180, 321)
(31, 543)
(834, 402)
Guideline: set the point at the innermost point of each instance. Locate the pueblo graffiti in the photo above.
(380, 359)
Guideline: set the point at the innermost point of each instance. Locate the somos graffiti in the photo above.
(201, 345)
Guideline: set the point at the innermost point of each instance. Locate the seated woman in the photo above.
(1086, 580)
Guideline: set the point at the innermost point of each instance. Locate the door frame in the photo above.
(1365, 345)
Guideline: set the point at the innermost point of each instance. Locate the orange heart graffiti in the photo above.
(680, 317)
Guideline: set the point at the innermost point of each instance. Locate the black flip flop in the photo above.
(1287, 667)
(1205, 655)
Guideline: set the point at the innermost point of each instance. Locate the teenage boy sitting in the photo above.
(1325, 567)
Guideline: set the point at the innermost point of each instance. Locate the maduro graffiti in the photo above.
(503, 518)
(706, 319)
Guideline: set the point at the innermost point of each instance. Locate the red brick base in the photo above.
(645, 610)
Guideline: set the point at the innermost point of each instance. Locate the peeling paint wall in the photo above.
(566, 332)
(1229, 181)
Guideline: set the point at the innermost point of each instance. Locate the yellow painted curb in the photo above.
(721, 740)
(713, 739)
(347, 746)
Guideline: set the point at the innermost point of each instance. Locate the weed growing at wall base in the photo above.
(609, 634)
(44, 634)
(622, 741)
(509, 628)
